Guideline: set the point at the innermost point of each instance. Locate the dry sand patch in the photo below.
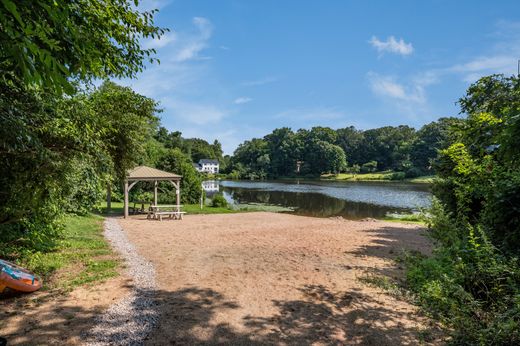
(257, 278)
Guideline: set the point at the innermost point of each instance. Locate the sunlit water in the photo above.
(352, 200)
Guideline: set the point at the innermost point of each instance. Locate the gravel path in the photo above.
(129, 321)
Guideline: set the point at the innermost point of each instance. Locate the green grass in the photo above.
(359, 177)
(82, 255)
(117, 209)
(418, 219)
(378, 176)
(427, 179)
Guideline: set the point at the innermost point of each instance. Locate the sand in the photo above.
(266, 278)
(250, 279)
(44, 318)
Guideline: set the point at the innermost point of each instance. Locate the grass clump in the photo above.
(80, 255)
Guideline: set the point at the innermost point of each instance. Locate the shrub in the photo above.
(413, 172)
(219, 201)
(369, 167)
(397, 176)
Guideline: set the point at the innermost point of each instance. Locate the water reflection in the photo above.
(211, 187)
(352, 200)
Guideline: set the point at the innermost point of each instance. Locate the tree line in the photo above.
(64, 141)
(285, 153)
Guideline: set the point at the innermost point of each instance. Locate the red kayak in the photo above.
(18, 278)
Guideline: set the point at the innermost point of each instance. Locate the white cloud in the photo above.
(242, 100)
(262, 81)
(161, 42)
(195, 113)
(192, 45)
(391, 45)
(485, 65)
(413, 91)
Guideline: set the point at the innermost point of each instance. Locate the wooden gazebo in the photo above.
(144, 173)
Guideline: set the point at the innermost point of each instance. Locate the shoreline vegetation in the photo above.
(378, 176)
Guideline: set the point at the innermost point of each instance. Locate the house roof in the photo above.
(149, 173)
(210, 161)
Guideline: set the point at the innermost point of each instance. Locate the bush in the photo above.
(219, 201)
(369, 167)
(413, 172)
(397, 176)
(173, 160)
(472, 281)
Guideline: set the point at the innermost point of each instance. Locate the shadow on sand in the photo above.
(322, 316)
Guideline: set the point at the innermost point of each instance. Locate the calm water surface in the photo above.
(352, 200)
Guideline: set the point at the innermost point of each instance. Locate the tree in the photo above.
(199, 149)
(49, 43)
(284, 151)
(323, 157)
(51, 155)
(389, 146)
(350, 140)
(176, 162)
(431, 138)
(252, 157)
(126, 122)
(472, 281)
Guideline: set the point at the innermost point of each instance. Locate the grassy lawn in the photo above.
(117, 208)
(379, 176)
(418, 219)
(82, 256)
(359, 177)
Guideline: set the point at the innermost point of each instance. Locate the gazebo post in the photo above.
(178, 192)
(155, 192)
(126, 199)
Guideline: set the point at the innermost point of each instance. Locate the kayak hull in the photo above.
(18, 278)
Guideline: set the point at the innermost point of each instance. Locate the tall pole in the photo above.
(155, 192)
(126, 199)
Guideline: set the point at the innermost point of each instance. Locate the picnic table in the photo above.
(135, 209)
(173, 211)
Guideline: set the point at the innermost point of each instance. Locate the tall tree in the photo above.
(48, 43)
(127, 121)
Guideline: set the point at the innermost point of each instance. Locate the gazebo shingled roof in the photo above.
(149, 173)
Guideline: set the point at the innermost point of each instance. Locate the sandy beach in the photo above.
(251, 278)
(266, 278)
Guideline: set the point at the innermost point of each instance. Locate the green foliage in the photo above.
(322, 150)
(45, 142)
(218, 201)
(175, 161)
(472, 282)
(397, 176)
(49, 43)
(369, 167)
(127, 120)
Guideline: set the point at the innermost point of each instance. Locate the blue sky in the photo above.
(233, 70)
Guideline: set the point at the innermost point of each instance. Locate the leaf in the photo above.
(11, 7)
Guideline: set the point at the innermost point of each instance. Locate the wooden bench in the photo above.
(158, 211)
(172, 214)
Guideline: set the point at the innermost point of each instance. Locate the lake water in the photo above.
(353, 200)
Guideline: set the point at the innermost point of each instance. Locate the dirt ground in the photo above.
(266, 278)
(248, 279)
(44, 318)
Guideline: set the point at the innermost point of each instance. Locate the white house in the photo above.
(207, 166)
